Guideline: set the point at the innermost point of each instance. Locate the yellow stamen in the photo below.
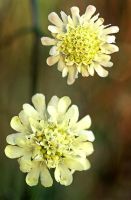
(79, 44)
(53, 143)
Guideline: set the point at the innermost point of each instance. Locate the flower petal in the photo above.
(14, 151)
(57, 174)
(84, 148)
(64, 72)
(32, 177)
(17, 125)
(70, 21)
(99, 22)
(39, 102)
(25, 162)
(76, 163)
(48, 41)
(90, 10)
(52, 60)
(108, 64)
(84, 72)
(30, 111)
(61, 65)
(53, 51)
(110, 30)
(94, 18)
(19, 139)
(35, 125)
(63, 104)
(110, 38)
(86, 135)
(109, 48)
(102, 58)
(84, 123)
(53, 102)
(72, 75)
(64, 17)
(63, 175)
(52, 106)
(24, 119)
(11, 139)
(101, 71)
(54, 29)
(91, 69)
(54, 19)
(75, 15)
(71, 115)
(45, 177)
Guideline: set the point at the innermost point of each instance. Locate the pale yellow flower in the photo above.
(50, 138)
(81, 44)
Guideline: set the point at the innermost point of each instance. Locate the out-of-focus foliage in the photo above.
(23, 70)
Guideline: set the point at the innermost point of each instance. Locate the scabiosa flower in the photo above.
(50, 138)
(81, 44)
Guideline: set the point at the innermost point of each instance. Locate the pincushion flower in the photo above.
(50, 138)
(81, 44)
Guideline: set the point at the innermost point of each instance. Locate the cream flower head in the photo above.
(50, 138)
(81, 44)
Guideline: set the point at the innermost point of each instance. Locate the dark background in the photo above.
(23, 72)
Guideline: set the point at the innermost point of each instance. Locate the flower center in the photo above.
(51, 143)
(79, 44)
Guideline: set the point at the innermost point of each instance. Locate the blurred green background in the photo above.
(23, 72)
